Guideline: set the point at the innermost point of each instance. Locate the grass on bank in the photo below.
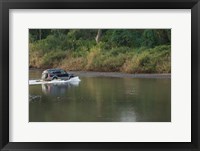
(99, 58)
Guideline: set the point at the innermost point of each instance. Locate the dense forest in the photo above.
(117, 50)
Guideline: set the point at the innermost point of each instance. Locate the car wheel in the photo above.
(71, 77)
(54, 78)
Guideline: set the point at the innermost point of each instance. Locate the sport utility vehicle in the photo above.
(52, 74)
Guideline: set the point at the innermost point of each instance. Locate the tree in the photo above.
(98, 35)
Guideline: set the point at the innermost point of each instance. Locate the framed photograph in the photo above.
(97, 75)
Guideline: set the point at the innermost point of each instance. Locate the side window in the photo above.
(56, 72)
(63, 72)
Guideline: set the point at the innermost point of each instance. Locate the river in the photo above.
(101, 98)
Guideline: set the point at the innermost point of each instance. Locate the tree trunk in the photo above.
(40, 34)
(98, 35)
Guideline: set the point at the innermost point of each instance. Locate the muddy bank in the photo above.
(118, 74)
(113, 74)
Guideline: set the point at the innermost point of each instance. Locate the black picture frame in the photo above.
(5, 5)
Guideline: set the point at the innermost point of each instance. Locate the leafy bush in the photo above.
(52, 58)
(155, 60)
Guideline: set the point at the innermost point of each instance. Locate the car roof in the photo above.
(53, 70)
(56, 69)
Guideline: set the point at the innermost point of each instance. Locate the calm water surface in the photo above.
(101, 99)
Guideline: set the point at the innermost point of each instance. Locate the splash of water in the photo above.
(72, 80)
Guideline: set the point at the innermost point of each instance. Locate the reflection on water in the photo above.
(58, 88)
(101, 99)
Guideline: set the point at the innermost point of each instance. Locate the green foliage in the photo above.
(38, 34)
(119, 50)
(150, 39)
(122, 38)
(156, 60)
(53, 57)
(125, 50)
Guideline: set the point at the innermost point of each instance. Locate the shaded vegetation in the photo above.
(120, 50)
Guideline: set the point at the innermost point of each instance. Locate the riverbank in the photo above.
(113, 74)
(127, 60)
(118, 74)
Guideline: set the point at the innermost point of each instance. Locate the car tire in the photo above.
(54, 78)
(71, 77)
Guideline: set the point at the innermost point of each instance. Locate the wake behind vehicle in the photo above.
(54, 74)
